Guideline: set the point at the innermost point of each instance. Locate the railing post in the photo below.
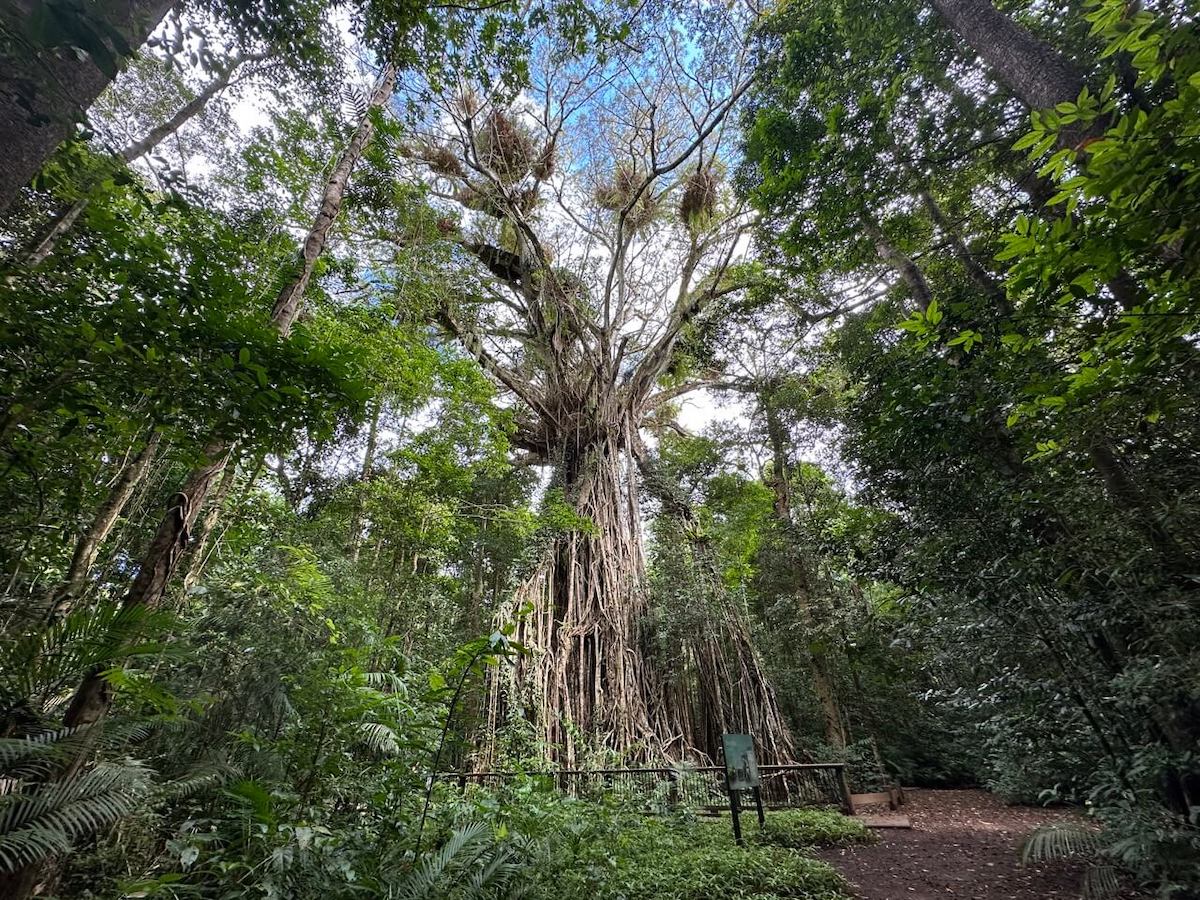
(844, 789)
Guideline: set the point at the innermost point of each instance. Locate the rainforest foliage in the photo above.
(389, 390)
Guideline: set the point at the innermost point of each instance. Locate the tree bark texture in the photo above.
(44, 91)
(1034, 71)
(720, 686)
(587, 679)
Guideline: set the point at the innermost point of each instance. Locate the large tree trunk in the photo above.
(66, 218)
(587, 680)
(1034, 71)
(44, 91)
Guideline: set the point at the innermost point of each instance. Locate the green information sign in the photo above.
(741, 767)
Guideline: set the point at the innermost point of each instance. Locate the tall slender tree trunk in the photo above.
(93, 697)
(978, 274)
(819, 669)
(94, 536)
(66, 218)
(44, 91)
(287, 304)
(356, 520)
(158, 564)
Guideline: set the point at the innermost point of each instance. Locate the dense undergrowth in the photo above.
(610, 854)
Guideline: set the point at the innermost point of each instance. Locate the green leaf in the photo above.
(933, 315)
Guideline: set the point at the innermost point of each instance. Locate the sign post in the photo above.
(741, 774)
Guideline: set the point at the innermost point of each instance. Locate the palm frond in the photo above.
(40, 819)
(1100, 882)
(39, 667)
(379, 738)
(1060, 840)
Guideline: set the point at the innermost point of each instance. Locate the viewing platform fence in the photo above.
(703, 788)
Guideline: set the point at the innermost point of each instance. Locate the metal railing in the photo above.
(786, 786)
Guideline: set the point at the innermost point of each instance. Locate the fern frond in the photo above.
(1100, 883)
(1059, 841)
(379, 738)
(198, 780)
(39, 820)
(38, 669)
(427, 878)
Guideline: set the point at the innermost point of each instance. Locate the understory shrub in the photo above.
(800, 828)
(603, 852)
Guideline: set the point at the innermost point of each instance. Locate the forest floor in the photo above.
(963, 844)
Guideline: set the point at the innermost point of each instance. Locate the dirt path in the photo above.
(963, 844)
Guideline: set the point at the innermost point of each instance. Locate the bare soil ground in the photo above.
(963, 844)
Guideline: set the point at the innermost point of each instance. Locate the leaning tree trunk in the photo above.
(66, 217)
(88, 546)
(903, 264)
(158, 565)
(44, 91)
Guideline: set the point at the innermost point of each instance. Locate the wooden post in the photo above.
(762, 818)
(844, 789)
(735, 807)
